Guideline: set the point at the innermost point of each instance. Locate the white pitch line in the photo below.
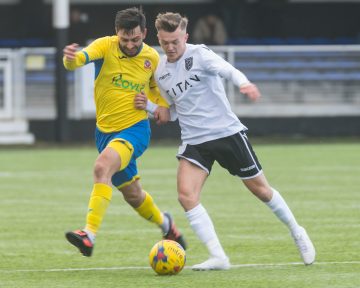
(186, 267)
(292, 264)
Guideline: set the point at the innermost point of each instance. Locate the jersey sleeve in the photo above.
(96, 50)
(173, 113)
(171, 106)
(151, 107)
(154, 94)
(217, 65)
(76, 63)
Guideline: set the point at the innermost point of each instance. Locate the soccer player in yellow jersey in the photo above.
(124, 67)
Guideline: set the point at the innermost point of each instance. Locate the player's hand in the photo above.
(140, 101)
(70, 51)
(251, 91)
(161, 115)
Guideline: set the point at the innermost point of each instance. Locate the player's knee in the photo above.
(263, 193)
(100, 170)
(187, 199)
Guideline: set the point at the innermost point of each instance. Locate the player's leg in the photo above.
(145, 206)
(190, 180)
(127, 181)
(273, 199)
(142, 202)
(115, 157)
(255, 180)
(262, 190)
(107, 163)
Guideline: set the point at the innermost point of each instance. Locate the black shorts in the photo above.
(233, 153)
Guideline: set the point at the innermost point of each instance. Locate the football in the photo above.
(167, 257)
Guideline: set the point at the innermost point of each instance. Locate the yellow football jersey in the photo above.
(118, 78)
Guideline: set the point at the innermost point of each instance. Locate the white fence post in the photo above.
(6, 101)
(13, 123)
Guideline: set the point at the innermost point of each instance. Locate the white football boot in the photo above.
(213, 263)
(305, 246)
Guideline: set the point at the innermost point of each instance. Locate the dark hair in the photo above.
(169, 22)
(129, 19)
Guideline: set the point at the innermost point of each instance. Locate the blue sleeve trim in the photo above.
(87, 59)
(98, 65)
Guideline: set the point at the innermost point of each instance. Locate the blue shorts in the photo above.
(139, 136)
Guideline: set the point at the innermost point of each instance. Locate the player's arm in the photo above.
(161, 114)
(157, 104)
(154, 102)
(216, 64)
(154, 94)
(74, 59)
(142, 102)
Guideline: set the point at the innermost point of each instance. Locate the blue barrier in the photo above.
(300, 65)
(303, 76)
(262, 66)
(44, 77)
(293, 41)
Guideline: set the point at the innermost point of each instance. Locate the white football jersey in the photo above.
(194, 89)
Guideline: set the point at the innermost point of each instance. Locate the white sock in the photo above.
(165, 226)
(278, 205)
(203, 227)
(90, 235)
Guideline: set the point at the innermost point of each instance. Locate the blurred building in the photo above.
(309, 79)
(246, 21)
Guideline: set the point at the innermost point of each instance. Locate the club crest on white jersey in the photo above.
(188, 63)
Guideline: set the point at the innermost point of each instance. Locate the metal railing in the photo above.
(6, 85)
(294, 80)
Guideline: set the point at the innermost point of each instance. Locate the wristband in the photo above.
(150, 106)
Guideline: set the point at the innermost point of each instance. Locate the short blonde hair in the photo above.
(169, 22)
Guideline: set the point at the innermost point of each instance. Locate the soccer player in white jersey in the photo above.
(189, 77)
